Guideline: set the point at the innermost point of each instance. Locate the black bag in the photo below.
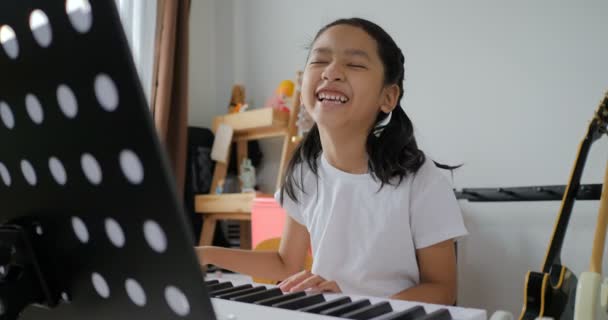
(199, 176)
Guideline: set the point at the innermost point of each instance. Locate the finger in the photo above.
(309, 283)
(329, 286)
(295, 279)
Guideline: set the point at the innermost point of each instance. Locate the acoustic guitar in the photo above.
(551, 292)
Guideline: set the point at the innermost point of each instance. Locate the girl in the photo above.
(380, 216)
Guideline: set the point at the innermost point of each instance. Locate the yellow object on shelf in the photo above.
(285, 88)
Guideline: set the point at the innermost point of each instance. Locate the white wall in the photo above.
(214, 61)
(507, 88)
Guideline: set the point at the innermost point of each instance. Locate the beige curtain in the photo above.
(170, 82)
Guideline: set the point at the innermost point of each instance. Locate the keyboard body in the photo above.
(226, 309)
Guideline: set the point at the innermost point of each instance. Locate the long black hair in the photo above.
(391, 147)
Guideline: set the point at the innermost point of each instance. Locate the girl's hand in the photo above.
(305, 280)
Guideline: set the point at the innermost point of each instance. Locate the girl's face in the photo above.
(343, 82)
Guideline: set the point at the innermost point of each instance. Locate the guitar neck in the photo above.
(597, 253)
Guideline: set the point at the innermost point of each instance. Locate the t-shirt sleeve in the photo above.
(435, 213)
(291, 207)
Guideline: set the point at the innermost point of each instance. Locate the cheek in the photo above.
(308, 91)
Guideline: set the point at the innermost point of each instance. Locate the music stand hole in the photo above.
(67, 101)
(131, 167)
(155, 236)
(79, 12)
(28, 172)
(177, 301)
(7, 115)
(9, 42)
(100, 285)
(115, 233)
(41, 28)
(135, 292)
(91, 168)
(57, 171)
(80, 229)
(6, 177)
(34, 108)
(106, 92)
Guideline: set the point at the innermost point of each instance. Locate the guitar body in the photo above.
(550, 295)
(590, 298)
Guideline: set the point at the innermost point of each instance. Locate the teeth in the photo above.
(337, 98)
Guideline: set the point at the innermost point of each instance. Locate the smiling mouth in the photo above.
(332, 98)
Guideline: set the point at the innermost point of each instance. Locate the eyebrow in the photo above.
(348, 52)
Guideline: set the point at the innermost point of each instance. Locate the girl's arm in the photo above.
(437, 265)
(263, 264)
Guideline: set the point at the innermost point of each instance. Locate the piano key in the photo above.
(301, 302)
(369, 312)
(219, 286)
(340, 310)
(216, 293)
(210, 282)
(439, 314)
(241, 292)
(317, 308)
(257, 296)
(286, 297)
(413, 313)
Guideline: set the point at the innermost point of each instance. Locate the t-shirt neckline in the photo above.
(335, 172)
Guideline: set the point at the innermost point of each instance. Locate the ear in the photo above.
(389, 99)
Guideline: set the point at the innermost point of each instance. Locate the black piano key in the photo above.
(301, 302)
(413, 313)
(317, 308)
(210, 282)
(439, 314)
(375, 310)
(229, 290)
(346, 308)
(257, 296)
(286, 297)
(241, 292)
(219, 286)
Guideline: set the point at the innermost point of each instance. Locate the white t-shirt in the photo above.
(365, 239)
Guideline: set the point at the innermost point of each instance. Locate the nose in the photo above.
(333, 72)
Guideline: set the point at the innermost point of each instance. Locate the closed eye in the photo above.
(318, 62)
(357, 66)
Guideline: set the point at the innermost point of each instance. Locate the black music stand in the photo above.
(90, 224)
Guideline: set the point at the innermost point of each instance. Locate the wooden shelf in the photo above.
(248, 125)
(255, 124)
(228, 202)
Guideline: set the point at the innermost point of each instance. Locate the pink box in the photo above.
(267, 220)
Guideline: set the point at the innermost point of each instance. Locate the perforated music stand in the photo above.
(90, 224)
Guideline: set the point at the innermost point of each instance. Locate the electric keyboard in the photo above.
(243, 300)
